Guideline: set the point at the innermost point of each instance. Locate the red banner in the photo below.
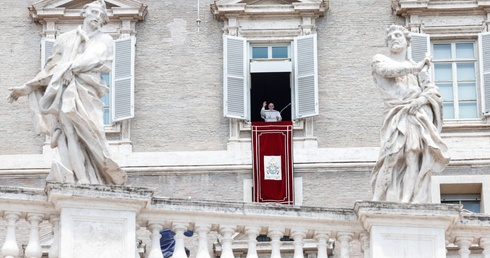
(273, 161)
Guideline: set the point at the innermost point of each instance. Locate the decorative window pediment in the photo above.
(289, 18)
(444, 19)
(69, 10)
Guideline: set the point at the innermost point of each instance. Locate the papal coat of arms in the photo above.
(272, 168)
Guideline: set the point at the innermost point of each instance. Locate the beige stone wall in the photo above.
(178, 93)
(349, 35)
(20, 54)
(179, 97)
(335, 188)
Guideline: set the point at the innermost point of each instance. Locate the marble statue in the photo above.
(65, 100)
(411, 145)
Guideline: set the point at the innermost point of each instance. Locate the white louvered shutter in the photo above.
(419, 47)
(234, 78)
(46, 50)
(305, 77)
(484, 58)
(122, 81)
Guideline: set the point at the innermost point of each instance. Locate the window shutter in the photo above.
(484, 58)
(46, 50)
(305, 76)
(419, 47)
(234, 78)
(122, 82)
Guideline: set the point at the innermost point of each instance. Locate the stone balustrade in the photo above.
(65, 218)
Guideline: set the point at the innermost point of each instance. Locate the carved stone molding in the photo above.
(285, 19)
(122, 13)
(64, 11)
(444, 19)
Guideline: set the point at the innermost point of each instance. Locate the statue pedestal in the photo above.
(405, 230)
(97, 220)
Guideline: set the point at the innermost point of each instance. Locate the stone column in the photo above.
(10, 249)
(464, 244)
(252, 233)
(344, 238)
(33, 249)
(364, 237)
(179, 228)
(54, 250)
(227, 232)
(275, 234)
(322, 239)
(298, 234)
(485, 244)
(202, 232)
(155, 250)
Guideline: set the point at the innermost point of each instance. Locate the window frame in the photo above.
(270, 52)
(462, 199)
(482, 72)
(107, 106)
(455, 89)
(301, 92)
(462, 184)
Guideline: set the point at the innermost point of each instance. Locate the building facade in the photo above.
(194, 75)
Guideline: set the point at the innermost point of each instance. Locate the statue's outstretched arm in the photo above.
(17, 92)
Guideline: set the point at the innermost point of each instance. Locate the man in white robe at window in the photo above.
(411, 144)
(65, 99)
(270, 115)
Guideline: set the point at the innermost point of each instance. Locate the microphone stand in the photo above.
(284, 108)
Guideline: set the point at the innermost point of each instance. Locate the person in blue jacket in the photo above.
(167, 242)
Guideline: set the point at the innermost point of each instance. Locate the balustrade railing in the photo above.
(223, 229)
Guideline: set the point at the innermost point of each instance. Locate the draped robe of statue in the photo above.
(402, 131)
(67, 99)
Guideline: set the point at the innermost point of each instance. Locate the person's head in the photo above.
(96, 13)
(271, 106)
(397, 38)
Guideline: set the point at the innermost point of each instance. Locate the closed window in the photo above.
(455, 73)
(270, 52)
(470, 202)
(461, 70)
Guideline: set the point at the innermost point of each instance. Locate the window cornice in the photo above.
(223, 9)
(63, 11)
(410, 7)
(291, 18)
(444, 19)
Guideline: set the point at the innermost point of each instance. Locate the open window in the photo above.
(58, 16)
(119, 103)
(270, 73)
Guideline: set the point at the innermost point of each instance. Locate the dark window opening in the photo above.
(270, 87)
(263, 238)
(470, 202)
